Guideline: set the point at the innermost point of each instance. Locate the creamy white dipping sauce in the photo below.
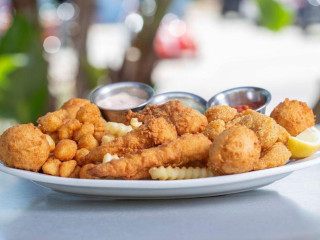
(121, 100)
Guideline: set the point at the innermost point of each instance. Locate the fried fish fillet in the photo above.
(185, 149)
(185, 119)
(154, 132)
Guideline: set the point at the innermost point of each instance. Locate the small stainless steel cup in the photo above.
(140, 90)
(188, 99)
(242, 96)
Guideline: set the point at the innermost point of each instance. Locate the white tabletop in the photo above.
(287, 209)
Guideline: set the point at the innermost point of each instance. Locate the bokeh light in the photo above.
(134, 22)
(52, 44)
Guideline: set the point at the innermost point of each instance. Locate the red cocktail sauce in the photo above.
(241, 108)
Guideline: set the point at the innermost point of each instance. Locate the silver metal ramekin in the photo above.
(132, 88)
(242, 96)
(188, 99)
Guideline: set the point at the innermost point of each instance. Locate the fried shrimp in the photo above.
(220, 112)
(185, 119)
(152, 133)
(185, 149)
(276, 156)
(24, 146)
(214, 128)
(266, 129)
(234, 151)
(294, 116)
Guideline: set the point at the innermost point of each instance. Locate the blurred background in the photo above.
(51, 50)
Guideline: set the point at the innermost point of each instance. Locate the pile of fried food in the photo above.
(169, 141)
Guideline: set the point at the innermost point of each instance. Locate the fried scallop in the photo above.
(220, 112)
(73, 105)
(51, 121)
(294, 116)
(65, 150)
(24, 146)
(89, 113)
(234, 151)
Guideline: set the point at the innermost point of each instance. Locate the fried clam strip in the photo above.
(185, 119)
(154, 132)
(179, 152)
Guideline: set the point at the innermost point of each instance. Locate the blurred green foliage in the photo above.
(23, 72)
(274, 15)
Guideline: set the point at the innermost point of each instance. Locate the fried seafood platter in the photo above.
(161, 142)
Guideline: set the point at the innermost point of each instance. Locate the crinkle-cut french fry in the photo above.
(170, 173)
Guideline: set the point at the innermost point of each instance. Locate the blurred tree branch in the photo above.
(80, 40)
(140, 70)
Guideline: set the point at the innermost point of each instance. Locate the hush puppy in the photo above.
(24, 146)
(234, 151)
(294, 116)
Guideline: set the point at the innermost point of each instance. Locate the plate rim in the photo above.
(292, 166)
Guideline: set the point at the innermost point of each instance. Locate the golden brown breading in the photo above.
(68, 128)
(65, 150)
(185, 119)
(220, 112)
(52, 166)
(267, 130)
(276, 156)
(24, 146)
(73, 105)
(86, 128)
(66, 168)
(214, 128)
(154, 132)
(75, 173)
(81, 154)
(234, 151)
(84, 171)
(88, 141)
(52, 121)
(294, 116)
(89, 113)
(185, 149)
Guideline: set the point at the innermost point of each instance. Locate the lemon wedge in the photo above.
(305, 144)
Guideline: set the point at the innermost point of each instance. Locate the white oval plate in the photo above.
(165, 189)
